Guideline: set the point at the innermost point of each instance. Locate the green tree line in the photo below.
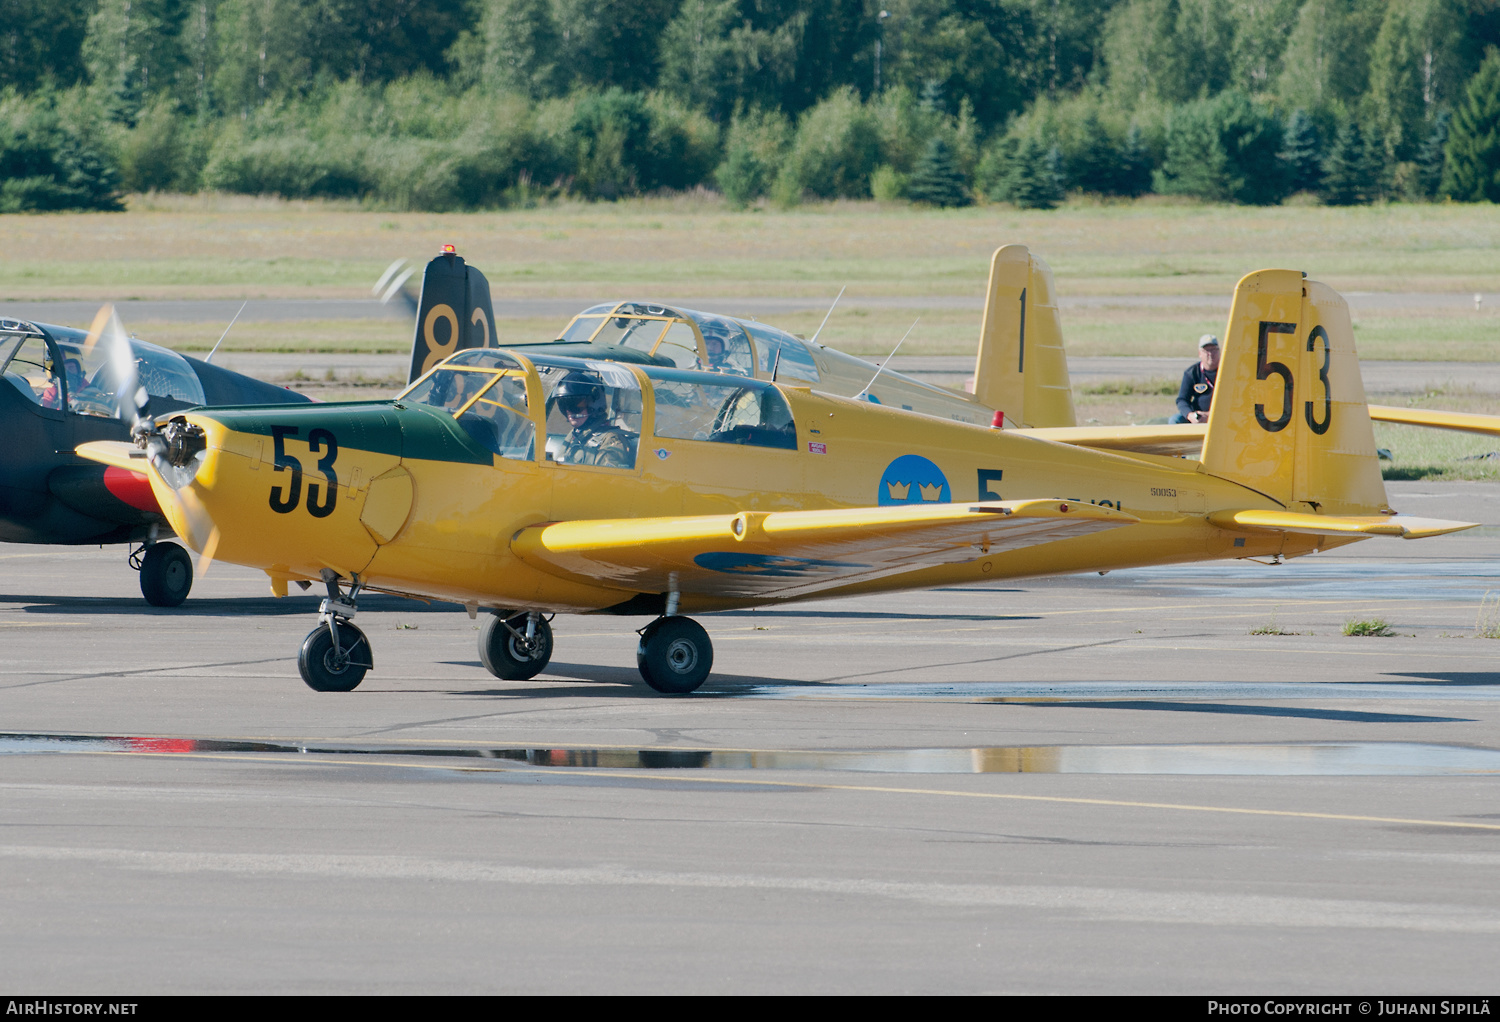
(452, 104)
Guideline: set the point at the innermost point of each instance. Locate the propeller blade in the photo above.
(130, 396)
(392, 284)
(206, 555)
(101, 320)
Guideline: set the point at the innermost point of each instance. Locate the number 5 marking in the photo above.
(1320, 427)
(1265, 369)
(293, 488)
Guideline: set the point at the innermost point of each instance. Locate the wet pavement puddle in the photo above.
(1402, 759)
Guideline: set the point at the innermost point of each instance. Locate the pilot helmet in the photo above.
(720, 332)
(579, 391)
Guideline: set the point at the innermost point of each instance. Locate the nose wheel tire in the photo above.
(328, 670)
(513, 657)
(675, 655)
(166, 575)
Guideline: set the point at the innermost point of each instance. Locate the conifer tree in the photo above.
(1034, 179)
(1302, 153)
(1431, 157)
(937, 179)
(1135, 161)
(1351, 171)
(1098, 164)
(1472, 170)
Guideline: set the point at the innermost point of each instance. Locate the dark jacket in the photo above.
(1197, 390)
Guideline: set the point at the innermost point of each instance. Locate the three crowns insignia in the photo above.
(902, 491)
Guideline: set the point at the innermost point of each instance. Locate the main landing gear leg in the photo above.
(515, 646)
(166, 572)
(675, 654)
(335, 655)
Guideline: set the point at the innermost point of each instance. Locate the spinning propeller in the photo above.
(392, 284)
(176, 449)
(130, 397)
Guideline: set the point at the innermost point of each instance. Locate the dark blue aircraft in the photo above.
(64, 387)
(60, 391)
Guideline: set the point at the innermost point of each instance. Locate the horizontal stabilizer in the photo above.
(1464, 422)
(789, 553)
(1172, 441)
(114, 452)
(1404, 526)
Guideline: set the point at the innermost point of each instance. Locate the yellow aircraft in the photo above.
(1038, 392)
(1021, 326)
(536, 485)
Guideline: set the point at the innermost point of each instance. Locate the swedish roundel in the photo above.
(912, 479)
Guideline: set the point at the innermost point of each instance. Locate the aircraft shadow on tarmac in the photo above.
(873, 615)
(1311, 713)
(563, 679)
(1442, 678)
(227, 606)
(594, 679)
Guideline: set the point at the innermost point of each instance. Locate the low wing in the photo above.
(1172, 441)
(117, 453)
(1404, 526)
(790, 553)
(1188, 439)
(1464, 422)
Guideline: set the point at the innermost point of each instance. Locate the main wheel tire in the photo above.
(510, 658)
(327, 671)
(166, 575)
(675, 655)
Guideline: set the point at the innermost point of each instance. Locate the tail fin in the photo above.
(1022, 369)
(453, 313)
(1289, 417)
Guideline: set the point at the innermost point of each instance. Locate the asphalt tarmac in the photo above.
(1076, 785)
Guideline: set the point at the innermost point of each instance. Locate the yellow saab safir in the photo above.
(528, 486)
(1021, 368)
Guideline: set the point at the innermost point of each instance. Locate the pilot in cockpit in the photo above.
(722, 345)
(594, 439)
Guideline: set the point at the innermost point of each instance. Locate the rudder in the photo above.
(453, 313)
(1022, 368)
(1289, 417)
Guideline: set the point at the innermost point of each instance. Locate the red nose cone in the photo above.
(999, 421)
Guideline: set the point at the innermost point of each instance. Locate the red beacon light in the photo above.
(999, 420)
(448, 250)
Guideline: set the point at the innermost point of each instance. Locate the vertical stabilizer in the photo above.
(453, 313)
(1022, 369)
(1289, 417)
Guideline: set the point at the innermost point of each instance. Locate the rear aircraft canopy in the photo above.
(56, 369)
(688, 339)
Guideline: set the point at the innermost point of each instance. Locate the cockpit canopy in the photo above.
(688, 339)
(592, 411)
(57, 368)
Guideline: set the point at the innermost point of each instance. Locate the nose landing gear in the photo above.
(515, 647)
(675, 655)
(335, 655)
(166, 573)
